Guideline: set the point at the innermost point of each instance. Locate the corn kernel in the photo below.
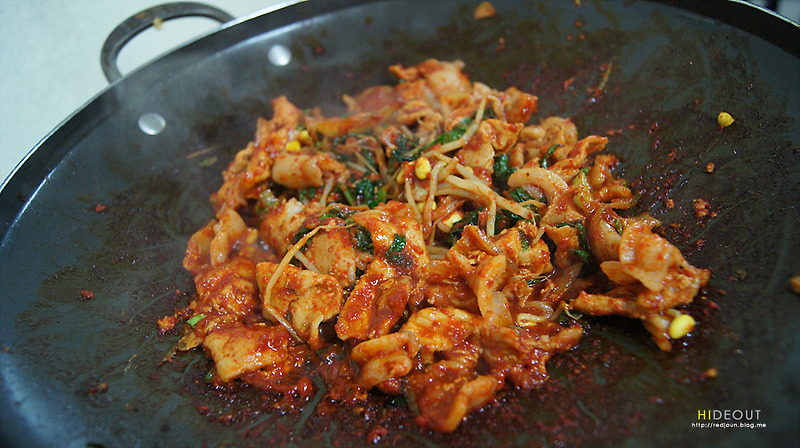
(422, 168)
(293, 145)
(251, 236)
(421, 206)
(681, 326)
(529, 320)
(794, 284)
(452, 220)
(304, 137)
(484, 11)
(724, 119)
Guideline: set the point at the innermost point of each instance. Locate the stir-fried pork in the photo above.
(426, 244)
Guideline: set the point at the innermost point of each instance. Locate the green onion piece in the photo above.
(208, 162)
(370, 158)
(536, 280)
(617, 224)
(583, 198)
(266, 202)
(348, 196)
(195, 319)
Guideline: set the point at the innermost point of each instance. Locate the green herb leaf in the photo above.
(366, 191)
(544, 163)
(502, 171)
(306, 194)
(300, 234)
(521, 195)
(452, 135)
(523, 241)
(584, 252)
(583, 255)
(363, 239)
(394, 253)
(398, 243)
(336, 212)
(408, 150)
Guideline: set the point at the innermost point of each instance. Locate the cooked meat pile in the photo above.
(430, 243)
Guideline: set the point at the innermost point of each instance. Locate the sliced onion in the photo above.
(603, 236)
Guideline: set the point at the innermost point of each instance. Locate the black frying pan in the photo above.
(82, 285)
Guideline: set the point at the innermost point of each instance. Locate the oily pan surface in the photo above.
(88, 371)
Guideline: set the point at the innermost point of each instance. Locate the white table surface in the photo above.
(50, 53)
(50, 59)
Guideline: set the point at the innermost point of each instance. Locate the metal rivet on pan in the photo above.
(152, 123)
(279, 55)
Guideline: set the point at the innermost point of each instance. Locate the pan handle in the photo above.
(137, 23)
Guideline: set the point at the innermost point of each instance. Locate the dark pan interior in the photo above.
(88, 372)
